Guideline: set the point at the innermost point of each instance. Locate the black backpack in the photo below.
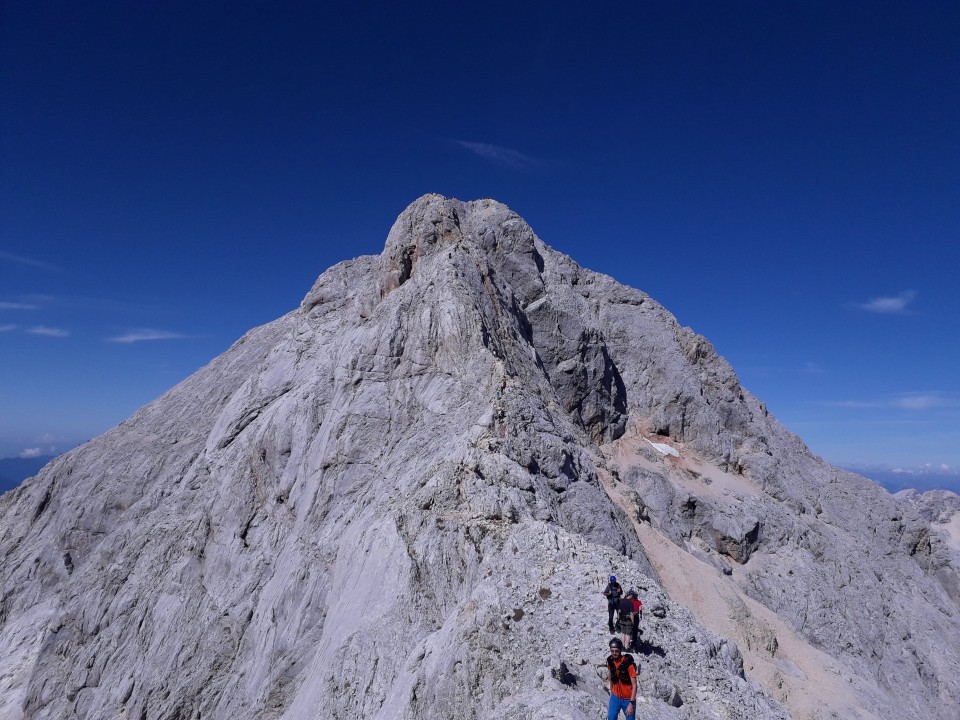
(621, 673)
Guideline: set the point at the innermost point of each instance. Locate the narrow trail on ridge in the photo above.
(807, 681)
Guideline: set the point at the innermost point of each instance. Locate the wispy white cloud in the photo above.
(813, 368)
(31, 262)
(18, 306)
(854, 404)
(922, 401)
(500, 155)
(144, 335)
(28, 453)
(896, 305)
(903, 401)
(7, 328)
(48, 331)
(86, 303)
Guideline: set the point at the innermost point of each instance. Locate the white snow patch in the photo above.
(664, 449)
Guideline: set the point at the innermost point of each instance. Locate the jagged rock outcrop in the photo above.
(401, 500)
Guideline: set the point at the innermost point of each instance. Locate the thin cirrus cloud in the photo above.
(135, 336)
(18, 306)
(30, 262)
(895, 305)
(7, 328)
(48, 331)
(903, 401)
(854, 404)
(922, 401)
(505, 157)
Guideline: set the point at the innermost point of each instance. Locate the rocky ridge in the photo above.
(401, 500)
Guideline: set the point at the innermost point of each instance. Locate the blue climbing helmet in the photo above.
(613, 578)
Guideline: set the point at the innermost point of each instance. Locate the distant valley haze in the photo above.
(15, 470)
(921, 480)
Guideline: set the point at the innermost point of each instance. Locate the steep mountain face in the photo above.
(402, 500)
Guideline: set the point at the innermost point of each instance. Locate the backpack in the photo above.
(616, 592)
(620, 674)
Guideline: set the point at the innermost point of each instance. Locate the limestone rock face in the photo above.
(402, 500)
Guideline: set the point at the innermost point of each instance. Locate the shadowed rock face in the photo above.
(402, 499)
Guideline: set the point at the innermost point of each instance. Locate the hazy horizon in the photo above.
(892, 479)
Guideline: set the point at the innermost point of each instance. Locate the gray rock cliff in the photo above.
(402, 499)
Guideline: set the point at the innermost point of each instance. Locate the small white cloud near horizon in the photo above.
(48, 331)
(29, 453)
(896, 305)
(145, 335)
(7, 328)
(499, 155)
(930, 468)
(921, 469)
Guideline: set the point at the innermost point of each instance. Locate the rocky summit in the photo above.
(402, 500)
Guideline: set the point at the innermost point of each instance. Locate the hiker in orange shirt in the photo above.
(623, 682)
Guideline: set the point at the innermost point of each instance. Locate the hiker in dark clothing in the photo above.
(625, 617)
(613, 592)
(637, 614)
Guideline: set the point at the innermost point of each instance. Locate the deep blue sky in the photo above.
(783, 176)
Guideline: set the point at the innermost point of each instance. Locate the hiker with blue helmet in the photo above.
(613, 592)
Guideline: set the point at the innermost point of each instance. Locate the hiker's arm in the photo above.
(633, 691)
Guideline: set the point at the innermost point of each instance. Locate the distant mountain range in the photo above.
(896, 480)
(15, 470)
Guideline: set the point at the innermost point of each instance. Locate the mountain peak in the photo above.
(403, 499)
(435, 224)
